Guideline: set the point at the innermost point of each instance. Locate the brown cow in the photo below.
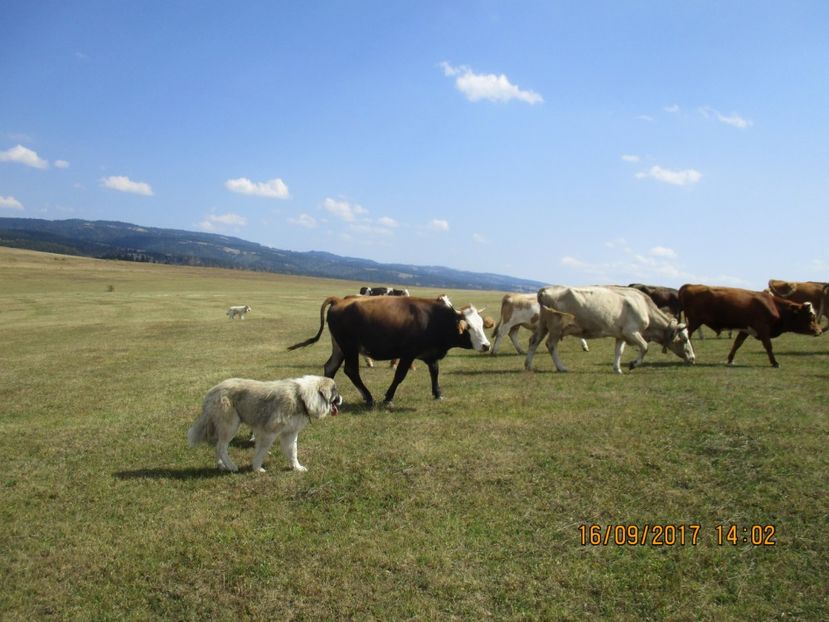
(804, 291)
(759, 314)
(388, 327)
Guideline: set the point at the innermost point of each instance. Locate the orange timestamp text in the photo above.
(675, 534)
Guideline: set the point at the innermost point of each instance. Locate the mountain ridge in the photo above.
(107, 239)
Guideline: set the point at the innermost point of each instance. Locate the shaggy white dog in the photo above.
(280, 408)
(238, 311)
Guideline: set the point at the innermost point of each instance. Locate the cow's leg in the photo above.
(263, 444)
(433, 374)
(399, 374)
(352, 370)
(584, 345)
(513, 336)
(767, 345)
(538, 336)
(552, 346)
(498, 335)
(639, 341)
(617, 361)
(335, 360)
(741, 337)
(369, 361)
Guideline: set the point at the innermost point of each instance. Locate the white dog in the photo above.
(238, 311)
(278, 408)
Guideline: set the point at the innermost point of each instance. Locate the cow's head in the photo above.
(678, 341)
(471, 323)
(804, 320)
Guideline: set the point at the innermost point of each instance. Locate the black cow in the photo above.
(405, 328)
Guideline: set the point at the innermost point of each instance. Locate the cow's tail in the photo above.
(328, 301)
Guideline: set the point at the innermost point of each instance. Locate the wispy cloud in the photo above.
(439, 225)
(630, 158)
(645, 117)
(387, 222)
(22, 155)
(10, 203)
(673, 108)
(304, 220)
(61, 164)
(218, 222)
(660, 265)
(343, 209)
(663, 251)
(125, 184)
(479, 239)
(733, 120)
(677, 178)
(271, 189)
(487, 86)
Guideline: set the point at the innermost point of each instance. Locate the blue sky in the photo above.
(568, 142)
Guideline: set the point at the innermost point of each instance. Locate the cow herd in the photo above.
(387, 324)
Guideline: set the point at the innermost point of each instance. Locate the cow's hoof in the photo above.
(729, 363)
(775, 365)
(563, 370)
(438, 398)
(618, 371)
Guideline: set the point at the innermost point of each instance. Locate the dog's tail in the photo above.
(328, 301)
(204, 429)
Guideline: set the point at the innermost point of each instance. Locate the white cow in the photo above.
(238, 311)
(623, 313)
(518, 310)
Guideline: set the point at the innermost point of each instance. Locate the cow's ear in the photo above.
(809, 308)
(462, 326)
(488, 322)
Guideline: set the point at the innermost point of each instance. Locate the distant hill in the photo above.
(119, 240)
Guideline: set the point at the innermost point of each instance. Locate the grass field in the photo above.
(469, 508)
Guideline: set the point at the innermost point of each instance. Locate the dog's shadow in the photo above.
(166, 473)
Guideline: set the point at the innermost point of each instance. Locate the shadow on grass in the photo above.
(802, 353)
(179, 474)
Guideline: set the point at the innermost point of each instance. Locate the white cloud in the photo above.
(572, 262)
(125, 184)
(491, 87)
(61, 164)
(439, 225)
(343, 209)
(215, 222)
(304, 220)
(630, 158)
(734, 120)
(385, 221)
(22, 155)
(10, 203)
(676, 178)
(673, 108)
(477, 237)
(645, 117)
(271, 189)
(662, 251)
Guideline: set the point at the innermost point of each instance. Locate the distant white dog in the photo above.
(238, 311)
(280, 408)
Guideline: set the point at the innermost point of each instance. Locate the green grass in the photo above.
(468, 508)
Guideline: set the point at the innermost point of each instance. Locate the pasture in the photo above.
(468, 508)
